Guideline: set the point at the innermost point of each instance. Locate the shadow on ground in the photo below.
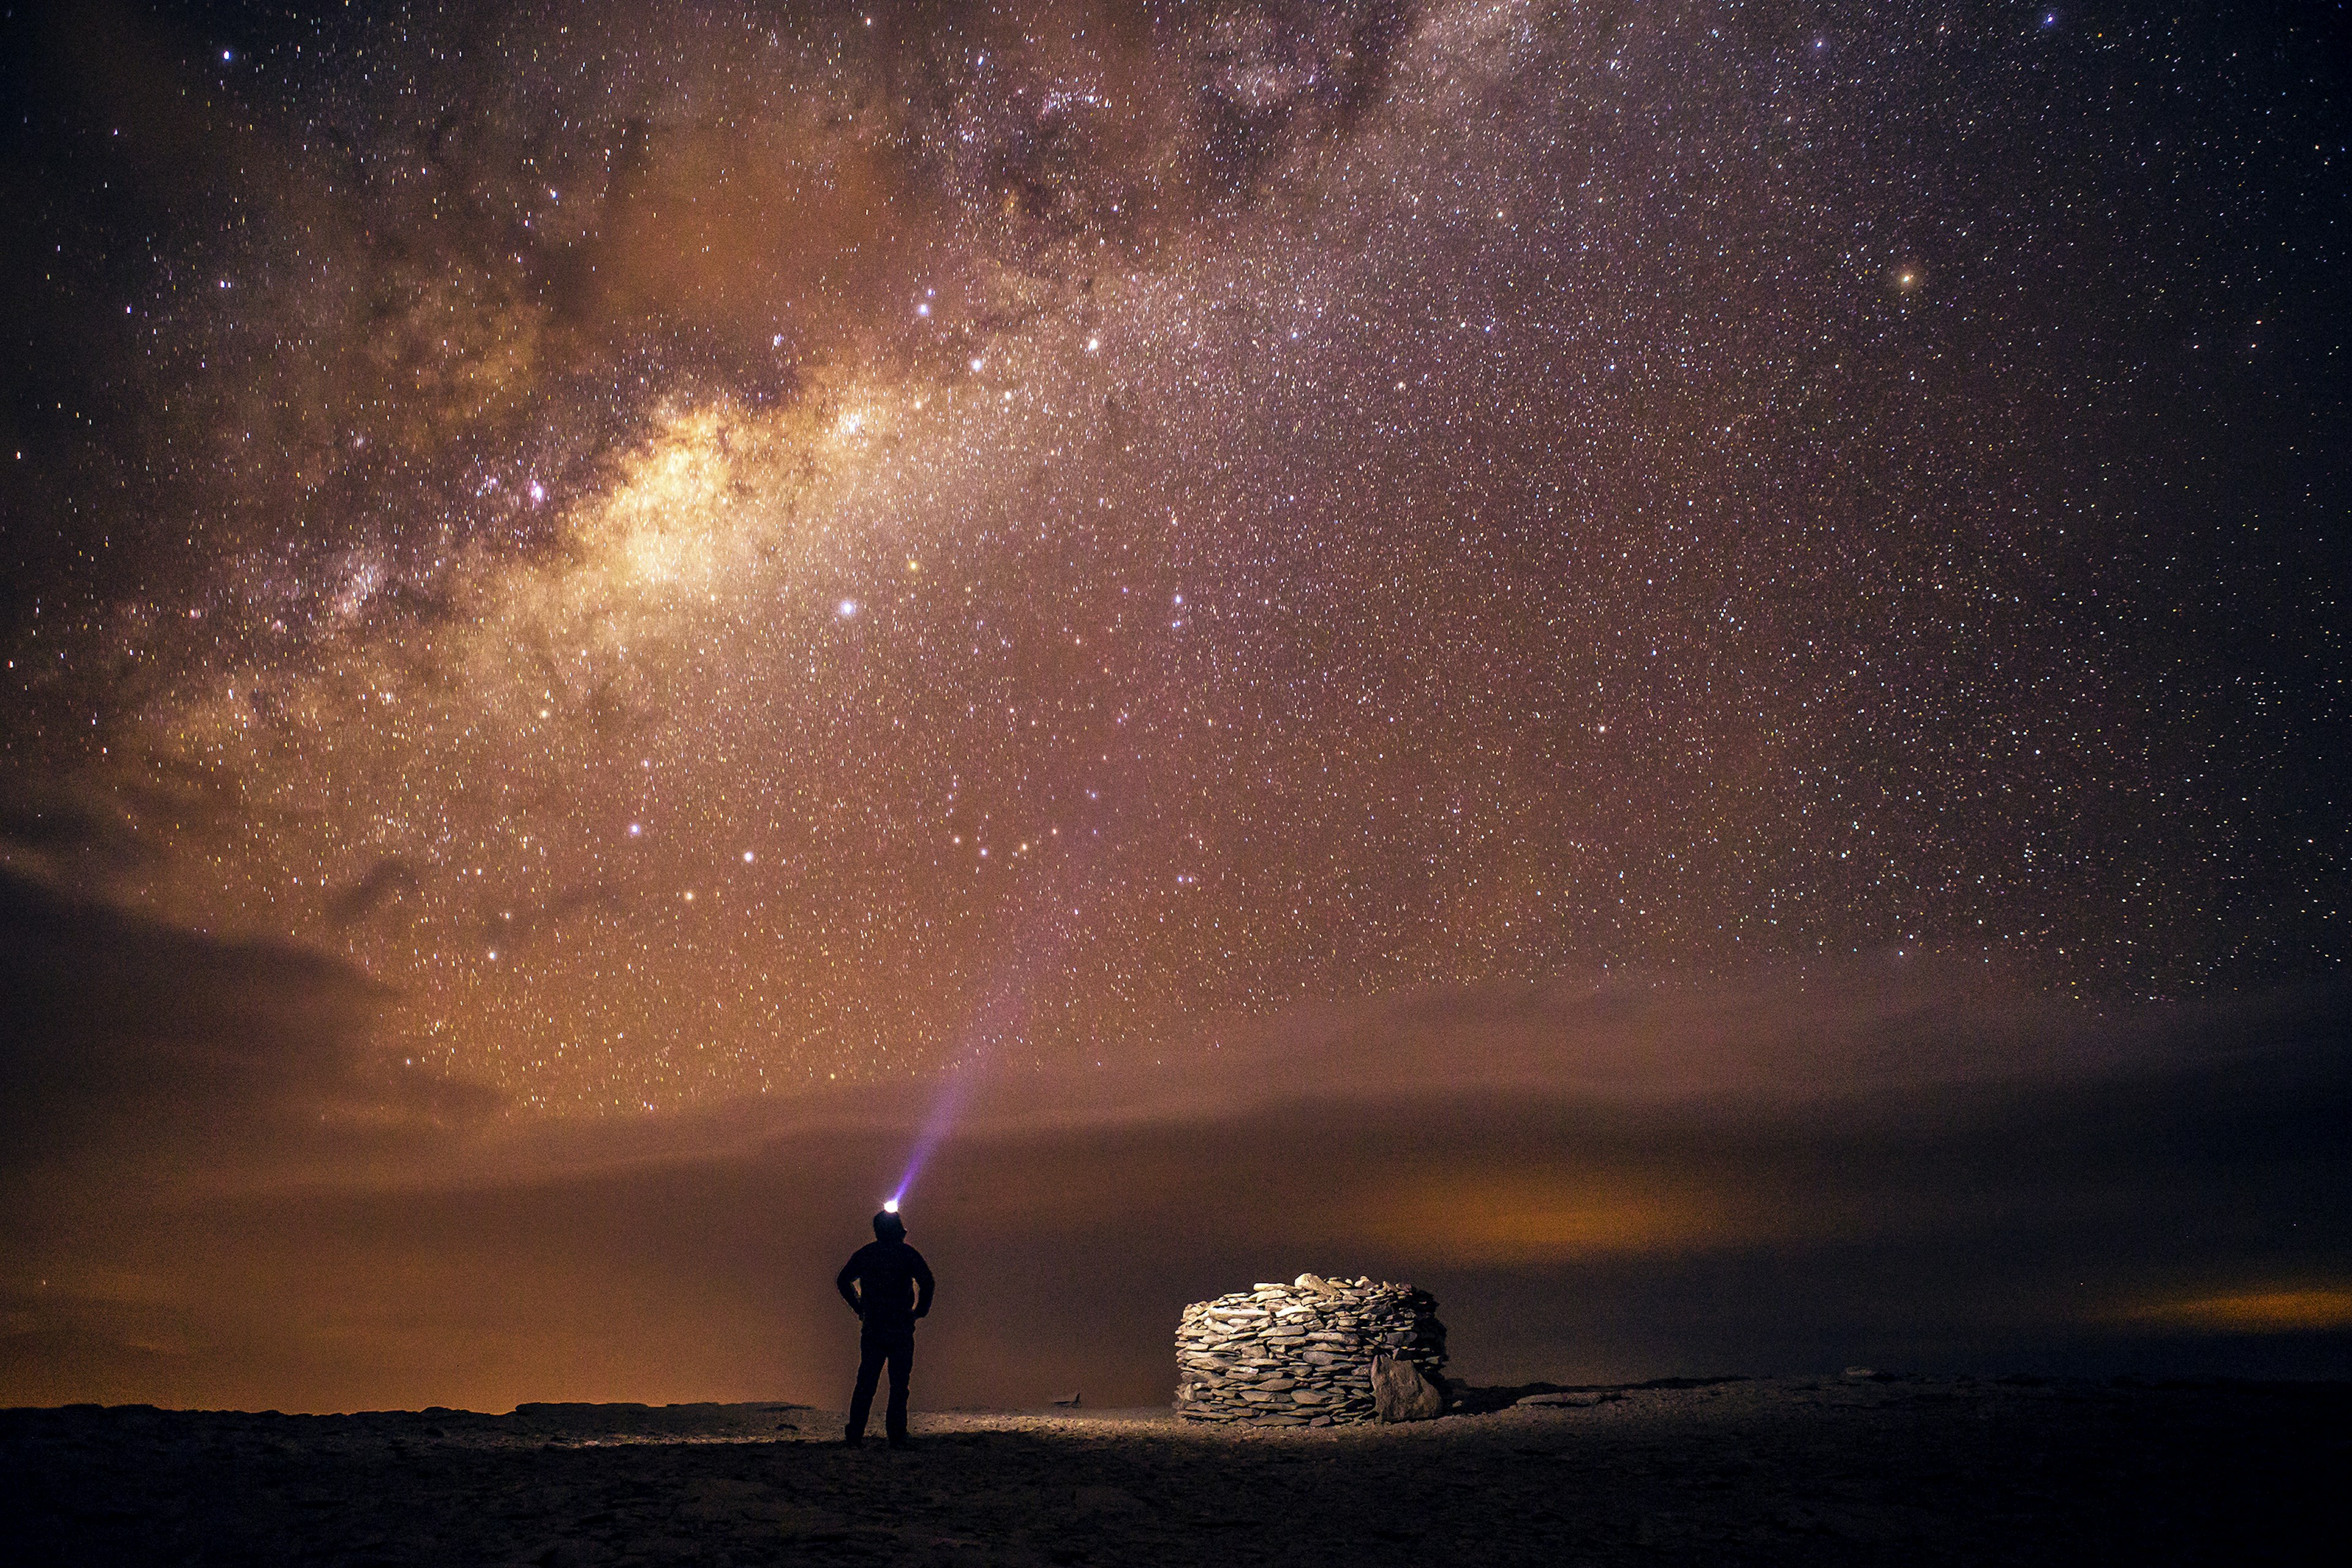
(1862, 1471)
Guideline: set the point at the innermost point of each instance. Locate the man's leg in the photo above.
(871, 1353)
(902, 1363)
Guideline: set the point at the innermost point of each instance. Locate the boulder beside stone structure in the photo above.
(1315, 1352)
(1401, 1393)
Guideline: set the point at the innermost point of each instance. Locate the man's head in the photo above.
(888, 1226)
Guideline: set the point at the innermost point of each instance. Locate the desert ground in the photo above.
(1848, 1469)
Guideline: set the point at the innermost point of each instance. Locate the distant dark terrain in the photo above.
(1843, 1471)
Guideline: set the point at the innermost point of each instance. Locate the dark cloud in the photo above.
(55, 828)
(1586, 1204)
(1087, 120)
(134, 1049)
(383, 884)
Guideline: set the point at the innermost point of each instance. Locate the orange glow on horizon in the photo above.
(2304, 1310)
(1540, 1217)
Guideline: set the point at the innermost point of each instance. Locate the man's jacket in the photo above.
(888, 1283)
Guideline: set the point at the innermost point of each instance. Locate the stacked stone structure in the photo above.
(1302, 1355)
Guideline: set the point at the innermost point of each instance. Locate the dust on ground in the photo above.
(1813, 1471)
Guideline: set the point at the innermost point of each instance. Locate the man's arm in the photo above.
(847, 1283)
(922, 1286)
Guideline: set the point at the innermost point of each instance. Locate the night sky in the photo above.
(594, 588)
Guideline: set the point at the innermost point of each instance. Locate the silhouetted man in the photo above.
(888, 1286)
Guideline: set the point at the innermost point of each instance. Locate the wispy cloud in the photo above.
(227, 1191)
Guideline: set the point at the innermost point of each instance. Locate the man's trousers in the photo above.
(875, 1346)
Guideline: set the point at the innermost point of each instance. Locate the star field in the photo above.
(713, 549)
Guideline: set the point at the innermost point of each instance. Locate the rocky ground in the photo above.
(1840, 1470)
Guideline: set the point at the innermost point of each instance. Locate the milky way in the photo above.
(715, 548)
